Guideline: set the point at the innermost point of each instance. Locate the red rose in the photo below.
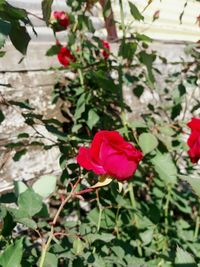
(194, 140)
(105, 52)
(110, 154)
(60, 20)
(65, 56)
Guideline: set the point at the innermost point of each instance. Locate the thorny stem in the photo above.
(81, 77)
(120, 71)
(166, 208)
(34, 15)
(116, 221)
(196, 231)
(120, 75)
(100, 211)
(45, 247)
(133, 203)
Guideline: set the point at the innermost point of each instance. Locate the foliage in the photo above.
(13, 22)
(150, 220)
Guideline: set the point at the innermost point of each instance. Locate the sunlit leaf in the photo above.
(45, 185)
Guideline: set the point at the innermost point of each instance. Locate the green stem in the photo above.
(46, 246)
(131, 194)
(81, 77)
(121, 98)
(166, 209)
(133, 203)
(122, 18)
(99, 219)
(116, 221)
(196, 231)
(120, 71)
(100, 212)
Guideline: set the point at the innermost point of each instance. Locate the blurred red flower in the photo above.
(194, 140)
(110, 154)
(60, 20)
(106, 51)
(65, 57)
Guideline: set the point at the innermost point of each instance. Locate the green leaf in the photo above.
(107, 9)
(78, 246)
(60, 135)
(105, 237)
(80, 107)
(107, 83)
(8, 225)
(184, 259)
(143, 37)
(138, 90)
(30, 202)
(44, 212)
(127, 50)
(167, 130)
(93, 118)
(2, 53)
(45, 186)
(53, 50)
(147, 60)
(119, 252)
(194, 182)
(165, 167)
(12, 255)
(46, 10)
(5, 28)
(23, 135)
(19, 154)
(50, 260)
(147, 236)
(176, 110)
(21, 104)
(138, 124)
(2, 117)
(19, 37)
(147, 142)
(135, 12)
(11, 13)
(85, 23)
(19, 187)
(28, 222)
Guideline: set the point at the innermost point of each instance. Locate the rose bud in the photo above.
(59, 21)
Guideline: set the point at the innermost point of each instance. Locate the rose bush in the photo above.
(194, 140)
(75, 217)
(110, 154)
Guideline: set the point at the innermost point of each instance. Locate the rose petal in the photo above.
(194, 144)
(194, 124)
(85, 160)
(118, 166)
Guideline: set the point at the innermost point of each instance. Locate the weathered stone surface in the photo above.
(35, 86)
